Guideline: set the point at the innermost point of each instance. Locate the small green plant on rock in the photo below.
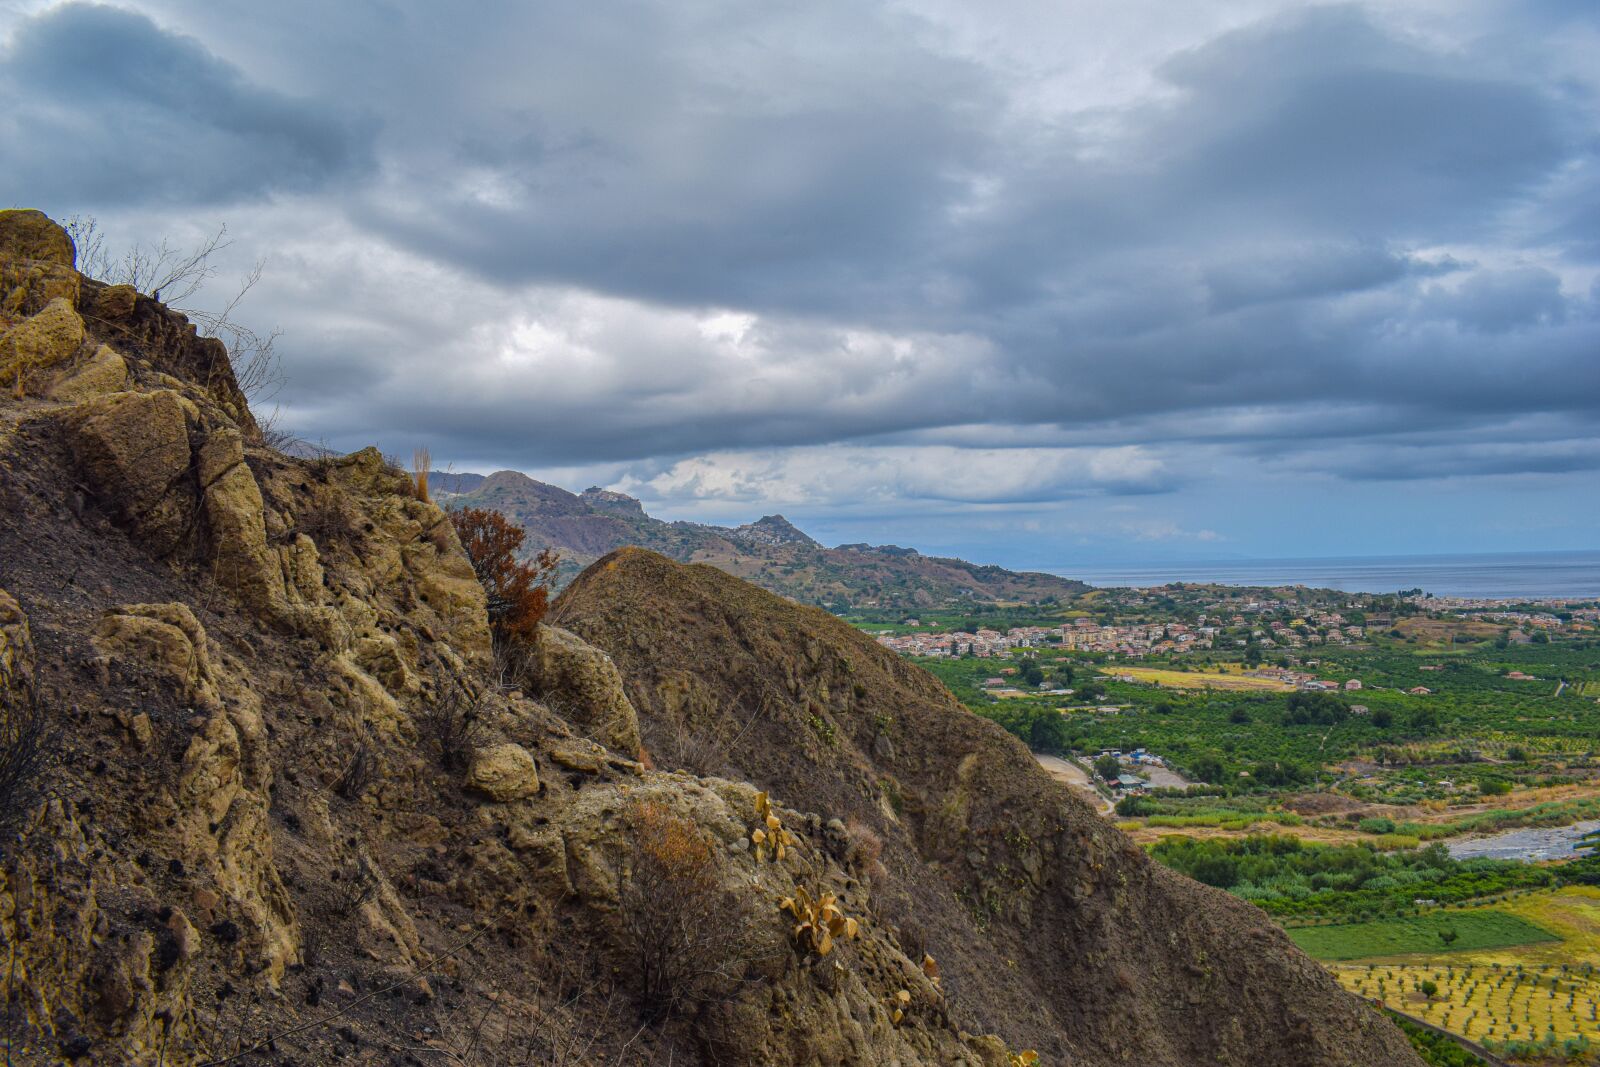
(823, 729)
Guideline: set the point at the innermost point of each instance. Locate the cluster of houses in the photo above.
(1139, 640)
(1133, 641)
(983, 644)
(1325, 628)
(1523, 620)
(1082, 635)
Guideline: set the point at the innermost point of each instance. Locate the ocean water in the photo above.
(1497, 576)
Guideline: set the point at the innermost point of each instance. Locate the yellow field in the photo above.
(1200, 679)
(1519, 993)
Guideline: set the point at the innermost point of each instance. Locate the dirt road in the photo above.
(1069, 773)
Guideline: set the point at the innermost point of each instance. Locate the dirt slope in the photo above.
(1051, 928)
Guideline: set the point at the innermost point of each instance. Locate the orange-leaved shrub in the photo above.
(518, 590)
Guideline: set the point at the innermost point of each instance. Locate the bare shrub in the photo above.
(690, 939)
(559, 1025)
(356, 775)
(326, 521)
(353, 886)
(27, 747)
(913, 939)
(176, 276)
(510, 666)
(450, 723)
(699, 753)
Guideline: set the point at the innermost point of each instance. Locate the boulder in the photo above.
(133, 451)
(39, 343)
(105, 372)
(580, 683)
(504, 773)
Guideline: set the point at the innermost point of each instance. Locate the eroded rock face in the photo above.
(235, 517)
(133, 451)
(16, 643)
(587, 690)
(103, 372)
(40, 343)
(166, 637)
(504, 773)
(36, 264)
(29, 234)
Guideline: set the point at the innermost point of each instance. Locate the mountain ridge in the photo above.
(771, 551)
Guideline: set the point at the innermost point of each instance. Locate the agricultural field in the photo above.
(1219, 679)
(1494, 1005)
(1523, 1000)
(1331, 807)
(1434, 932)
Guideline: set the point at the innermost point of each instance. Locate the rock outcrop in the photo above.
(585, 684)
(36, 264)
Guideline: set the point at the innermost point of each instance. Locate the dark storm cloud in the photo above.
(1313, 229)
(105, 107)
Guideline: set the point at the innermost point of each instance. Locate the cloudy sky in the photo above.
(1038, 283)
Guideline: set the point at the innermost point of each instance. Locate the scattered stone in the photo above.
(577, 759)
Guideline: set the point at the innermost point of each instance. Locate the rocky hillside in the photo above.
(770, 552)
(1047, 923)
(296, 807)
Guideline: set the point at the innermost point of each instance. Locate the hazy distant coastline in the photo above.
(1498, 575)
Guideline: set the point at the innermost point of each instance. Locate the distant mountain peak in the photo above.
(509, 480)
(771, 551)
(774, 530)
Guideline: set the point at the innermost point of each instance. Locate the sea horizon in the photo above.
(1483, 575)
